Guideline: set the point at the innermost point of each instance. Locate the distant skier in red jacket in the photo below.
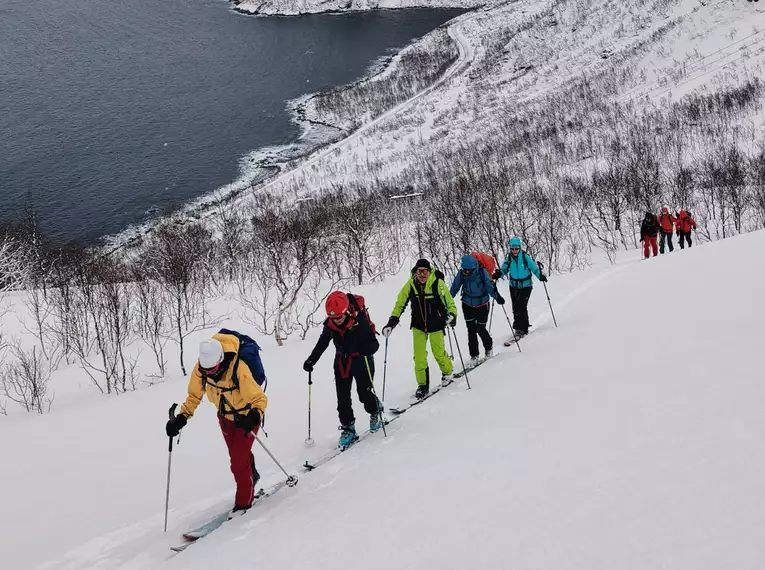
(667, 226)
(649, 229)
(685, 223)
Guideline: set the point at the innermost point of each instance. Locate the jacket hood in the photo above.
(469, 262)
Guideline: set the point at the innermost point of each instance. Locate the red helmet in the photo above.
(337, 304)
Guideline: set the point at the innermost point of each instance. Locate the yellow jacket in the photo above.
(222, 394)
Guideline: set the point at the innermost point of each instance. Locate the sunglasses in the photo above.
(423, 270)
(467, 271)
(515, 249)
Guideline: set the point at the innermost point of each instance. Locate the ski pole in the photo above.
(372, 385)
(491, 315)
(512, 329)
(309, 440)
(169, 464)
(461, 361)
(291, 479)
(385, 367)
(541, 268)
(451, 348)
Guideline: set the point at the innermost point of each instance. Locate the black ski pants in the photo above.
(346, 369)
(475, 320)
(685, 236)
(666, 236)
(520, 299)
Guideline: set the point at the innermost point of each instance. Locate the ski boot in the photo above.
(238, 511)
(376, 419)
(348, 436)
(489, 353)
(422, 391)
(446, 379)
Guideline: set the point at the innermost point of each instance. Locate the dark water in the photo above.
(110, 107)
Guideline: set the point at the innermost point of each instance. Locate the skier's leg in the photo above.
(439, 352)
(420, 346)
(661, 241)
(515, 295)
(364, 382)
(669, 242)
(470, 322)
(653, 246)
(646, 246)
(688, 237)
(344, 403)
(482, 317)
(523, 310)
(239, 445)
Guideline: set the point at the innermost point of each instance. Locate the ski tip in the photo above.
(308, 467)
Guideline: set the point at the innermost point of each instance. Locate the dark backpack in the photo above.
(249, 353)
(358, 304)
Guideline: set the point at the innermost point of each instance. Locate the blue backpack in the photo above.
(249, 353)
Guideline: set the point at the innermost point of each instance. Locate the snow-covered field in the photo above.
(628, 437)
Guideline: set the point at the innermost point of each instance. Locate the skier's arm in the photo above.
(321, 345)
(533, 267)
(402, 300)
(251, 392)
(447, 298)
(456, 284)
(505, 265)
(196, 392)
(490, 287)
(368, 343)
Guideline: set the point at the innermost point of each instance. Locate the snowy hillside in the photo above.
(294, 7)
(629, 437)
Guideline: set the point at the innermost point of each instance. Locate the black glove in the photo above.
(496, 275)
(308, 365)
(641, 238)
(248, 422)
(500, 299)
(451, 320)
(392, 322)
(175, 425)
(543, 278)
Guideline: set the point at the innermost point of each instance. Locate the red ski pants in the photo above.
(650, 241)
(239, 445)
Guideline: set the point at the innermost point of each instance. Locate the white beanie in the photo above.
(210, 353)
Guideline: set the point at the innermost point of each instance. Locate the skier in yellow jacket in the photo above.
(230, 387)
(432, 309)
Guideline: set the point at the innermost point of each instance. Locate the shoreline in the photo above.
(294, 8)
(264, 165)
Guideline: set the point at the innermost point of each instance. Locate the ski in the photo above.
(311, 465)
(469, 368)
(397, 411)
(513, 339)
(192, 536)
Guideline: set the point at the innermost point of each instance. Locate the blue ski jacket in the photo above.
(519, 270)
(477, 288)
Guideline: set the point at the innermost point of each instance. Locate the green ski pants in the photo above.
(420, 343)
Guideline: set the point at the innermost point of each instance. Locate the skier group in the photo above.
(664, 225)
(235, 383)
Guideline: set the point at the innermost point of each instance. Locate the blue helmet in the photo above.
(515, 242)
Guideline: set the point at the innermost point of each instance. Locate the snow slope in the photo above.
(630, 437)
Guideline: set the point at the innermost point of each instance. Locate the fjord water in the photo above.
(109, 108)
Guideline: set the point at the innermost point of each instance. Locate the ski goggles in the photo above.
(468, 271)
(211, 371)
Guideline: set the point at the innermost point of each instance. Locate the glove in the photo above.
(308, 365)
(500, 299)
(543, 278)
(389, 326)
(451, 320)
(248, 422)
(175, 425)
(641, 238)
(496, 275)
